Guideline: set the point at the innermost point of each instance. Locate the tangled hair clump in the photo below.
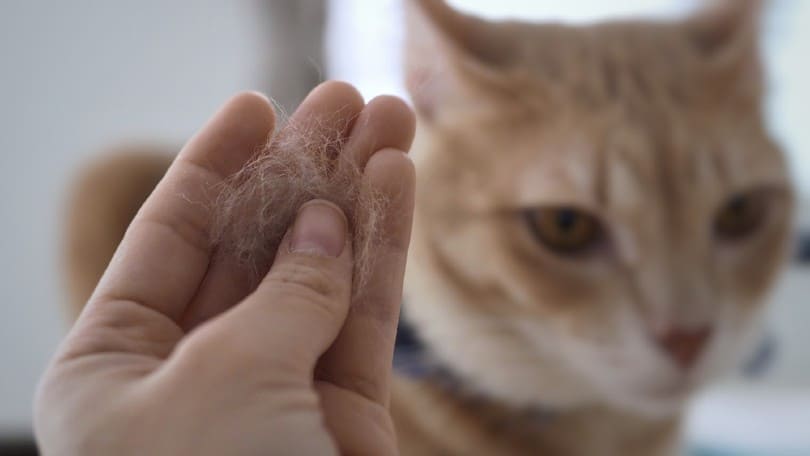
(256, 205)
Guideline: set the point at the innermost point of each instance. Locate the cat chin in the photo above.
(655, 398)
(656, 408)
(652, 405)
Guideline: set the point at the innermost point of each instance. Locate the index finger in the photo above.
(360, 359)
(166, 249)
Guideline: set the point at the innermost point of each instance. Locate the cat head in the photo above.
(600, 209)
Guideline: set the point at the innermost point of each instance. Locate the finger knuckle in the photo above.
(195, 352)
(217, 353)
(309, 280)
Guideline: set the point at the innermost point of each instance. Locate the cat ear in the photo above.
(445, 51)
(725, 25)
(726, 36)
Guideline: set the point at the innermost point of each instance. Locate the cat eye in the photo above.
(740, 216)
(564, 230)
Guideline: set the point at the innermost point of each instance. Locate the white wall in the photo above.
(76, 76)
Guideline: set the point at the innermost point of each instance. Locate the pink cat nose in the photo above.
(685, 345)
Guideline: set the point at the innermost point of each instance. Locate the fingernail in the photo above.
(319, 229)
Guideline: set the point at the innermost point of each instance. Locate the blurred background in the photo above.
(78, 77)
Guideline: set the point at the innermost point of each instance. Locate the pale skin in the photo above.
(172, 355)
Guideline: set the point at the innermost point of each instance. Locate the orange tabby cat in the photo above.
(600, 211)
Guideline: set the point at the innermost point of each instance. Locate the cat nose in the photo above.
(684, 345)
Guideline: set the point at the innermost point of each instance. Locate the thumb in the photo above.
(299, 308)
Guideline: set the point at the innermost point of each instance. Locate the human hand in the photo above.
(173, 355)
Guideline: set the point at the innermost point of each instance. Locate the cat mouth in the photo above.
(678, 389)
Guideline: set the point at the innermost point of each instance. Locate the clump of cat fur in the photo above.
(256, 205)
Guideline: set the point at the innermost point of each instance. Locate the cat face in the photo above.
(599, 209)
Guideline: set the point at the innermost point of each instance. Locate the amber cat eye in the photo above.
(564, 230)
(740, 216)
